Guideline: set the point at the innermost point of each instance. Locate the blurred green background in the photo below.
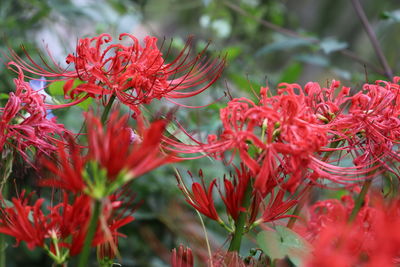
(266, 42)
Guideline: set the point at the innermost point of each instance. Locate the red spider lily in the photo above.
(134, 73)
(15, 222)
(280, 140)
(235, 192)
(277, 207)
(116, 212)
(106, 149)
(371, 240)
(24, 124)
(372, 126)
(106, 252)
(109, 146)
(182, 257)
(201, 198)
(64, 226)
(330, 211)
(327, 103)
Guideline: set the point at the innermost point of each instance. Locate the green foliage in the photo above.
(283, 242)
(56, 90)
(330, 45)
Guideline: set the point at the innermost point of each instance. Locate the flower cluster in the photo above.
(288, 137)
(101, 171)
(134, 73)
(233, 194)
(279, 148)
(92, 177)
(289, 143)
(24, 122)
(61, 231)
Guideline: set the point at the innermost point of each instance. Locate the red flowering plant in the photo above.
(280, 148)
(62, 230)
(101, 171)
(93, 170)
(133, 73)
(25, 124)
(289, 143)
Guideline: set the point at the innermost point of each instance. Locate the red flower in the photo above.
(67, 223)
(287, 139)
(24, 124)
(372, 126)
(134, 73)
(277, 207)
(201, 199)
(235, 192)
(182, 257)
(15, 222)
(106, 149)
(280, 136)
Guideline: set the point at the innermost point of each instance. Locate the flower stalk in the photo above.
(241, 221)
(360, 199)
(6, 170)
(107, 109)
(84, 256)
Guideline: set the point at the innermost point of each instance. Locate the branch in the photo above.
(371, 34)
(288, 32)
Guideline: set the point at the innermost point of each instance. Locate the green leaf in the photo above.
(292, 73)
(7, 203)
(330, 45)
(285, 44)
(232, 52)
(313, 59)
(269, 242)
(85, 104)
(391, 15)
(4, 96)
(283, 242)
(244, 83)
(56, 88)
(175, 131)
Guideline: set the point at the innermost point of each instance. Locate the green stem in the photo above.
(360, 199)
(84, 257)
(107, 109)
(2, 250)
(5, 174)
(241, 221)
